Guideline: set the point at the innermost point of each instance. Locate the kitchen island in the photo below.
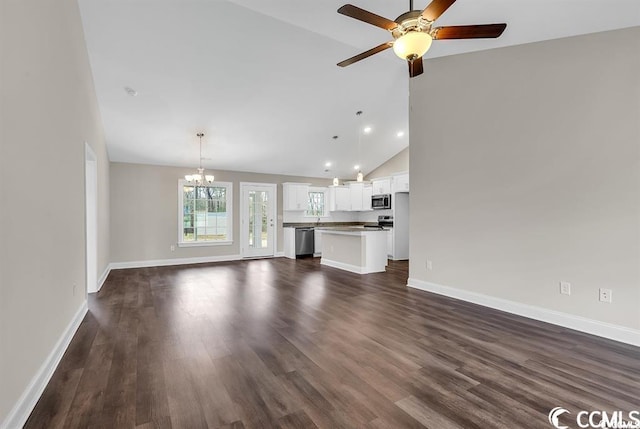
(359, 250)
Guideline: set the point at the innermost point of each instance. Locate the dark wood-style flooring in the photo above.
(292, 344)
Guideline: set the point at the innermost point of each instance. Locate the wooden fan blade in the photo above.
(368, 17)
(415, 67)
(469, 31)
(435, 9)
(365, 54)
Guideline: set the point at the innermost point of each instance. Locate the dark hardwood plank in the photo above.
(292, 344)
(54, 408)
(296, 421)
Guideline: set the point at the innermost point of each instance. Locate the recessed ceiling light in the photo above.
(356, 167)
(327, 164)
(130, 91)
(367, 130)
(400, 133)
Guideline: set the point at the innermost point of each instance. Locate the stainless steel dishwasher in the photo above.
(305, 241)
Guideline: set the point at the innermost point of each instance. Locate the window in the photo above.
(205, 214)
(316, 204)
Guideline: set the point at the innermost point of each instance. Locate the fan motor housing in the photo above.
(411, 21)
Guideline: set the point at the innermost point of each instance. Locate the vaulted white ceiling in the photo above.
(259, 77)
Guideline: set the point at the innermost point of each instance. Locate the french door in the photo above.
(258, 212)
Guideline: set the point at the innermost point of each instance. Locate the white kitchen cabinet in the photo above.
(401, 183)
(352, 197)
(381, 186)
(367, 193)
(356, 191)
(390, 243)
(317, 240)
(340, 198)
(331, 199)
(290, 243)
(295, 196)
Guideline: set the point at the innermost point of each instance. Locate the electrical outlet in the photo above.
(565, 288)
(173, 247)
(429, 265)
(606, 295)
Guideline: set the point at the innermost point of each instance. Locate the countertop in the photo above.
(327, 224)
(350, 229)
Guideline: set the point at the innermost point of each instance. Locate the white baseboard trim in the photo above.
(176, 261)
(341, 265)
(19, 414)
(103, 277)
(578, 323)
(351, 268)
(279, 255)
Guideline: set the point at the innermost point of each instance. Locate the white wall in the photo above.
(48, 110)
(399, 163)
(525, 171)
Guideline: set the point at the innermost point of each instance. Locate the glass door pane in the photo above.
(258, 219)
(258, 223)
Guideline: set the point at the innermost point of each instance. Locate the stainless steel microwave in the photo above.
(381, 202)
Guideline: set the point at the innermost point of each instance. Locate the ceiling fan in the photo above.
(413, 32)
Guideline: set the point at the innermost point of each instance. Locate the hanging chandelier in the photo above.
(200, 179)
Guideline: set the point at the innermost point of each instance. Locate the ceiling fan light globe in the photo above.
(412, 45)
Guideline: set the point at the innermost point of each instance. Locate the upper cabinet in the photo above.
(295, 196)
(367, 193)
(356, 193)
(341, 198)
(352, 197)
(381, 186)
(401, 182)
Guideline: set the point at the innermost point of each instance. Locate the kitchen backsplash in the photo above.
(369, 216)
(372, 216)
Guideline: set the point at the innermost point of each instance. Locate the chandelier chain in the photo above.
(200, 179)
